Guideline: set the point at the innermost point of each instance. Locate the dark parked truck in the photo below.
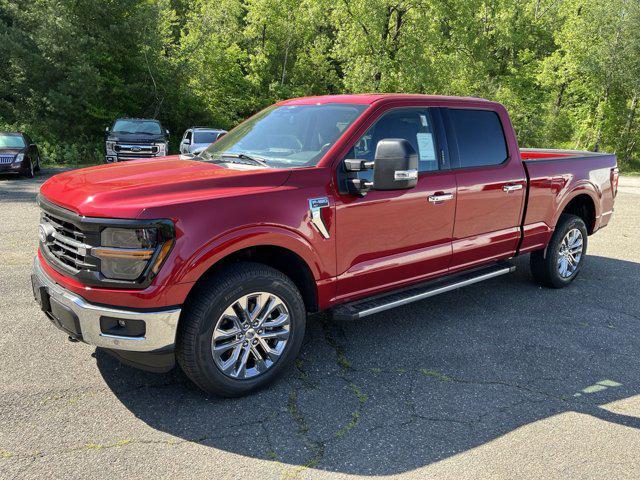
(353, 204)
(134, 138)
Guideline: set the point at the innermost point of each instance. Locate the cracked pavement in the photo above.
(499, 380)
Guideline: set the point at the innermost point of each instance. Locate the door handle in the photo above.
(440, 197)
(512, 188)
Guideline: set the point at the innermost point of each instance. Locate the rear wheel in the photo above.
(559, 264)
(241, 330)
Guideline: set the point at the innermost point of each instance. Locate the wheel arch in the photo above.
(284, 251)
(582, 204)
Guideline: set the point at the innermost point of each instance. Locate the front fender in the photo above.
(245, 237)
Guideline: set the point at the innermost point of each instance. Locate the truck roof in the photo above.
(370, 98)
(140, 119)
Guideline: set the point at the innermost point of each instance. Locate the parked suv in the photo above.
(18, 154)
(196, 139)
(349, 203)
(131, 138)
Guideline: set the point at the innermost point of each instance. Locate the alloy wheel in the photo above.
(251, 335)
(570, 253)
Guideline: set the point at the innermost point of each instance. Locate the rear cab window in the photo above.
(476, 138)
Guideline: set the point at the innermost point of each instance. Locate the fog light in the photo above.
(122, 327)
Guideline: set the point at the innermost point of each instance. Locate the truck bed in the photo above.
(557, 154)
(551, 175)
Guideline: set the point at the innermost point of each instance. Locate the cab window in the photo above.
(479, 138)
(412, 124)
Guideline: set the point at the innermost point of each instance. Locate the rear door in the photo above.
(389, 238)
(491, 186)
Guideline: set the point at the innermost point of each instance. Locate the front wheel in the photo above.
(29, 169)
(559, 264)
(241, 329)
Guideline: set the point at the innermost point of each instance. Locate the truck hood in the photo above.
(126, 190)
(135, 137)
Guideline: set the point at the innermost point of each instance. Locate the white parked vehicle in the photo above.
(196, 139)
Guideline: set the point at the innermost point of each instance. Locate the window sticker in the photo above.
(426, 149)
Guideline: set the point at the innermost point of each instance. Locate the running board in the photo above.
(369, 306)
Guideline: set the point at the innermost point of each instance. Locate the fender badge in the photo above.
(315, 208)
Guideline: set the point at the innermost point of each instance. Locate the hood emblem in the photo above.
(315, 209)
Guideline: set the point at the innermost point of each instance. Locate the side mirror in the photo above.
(106, 130)
(167, 132)
(186, 141)
(395, 165)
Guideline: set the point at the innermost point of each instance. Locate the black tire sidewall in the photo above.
(27, 170)
(209, 371)
(566, 223)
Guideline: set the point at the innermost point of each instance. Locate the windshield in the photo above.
(11, 141)
(137, 126)
(288, 135)
(205, 137)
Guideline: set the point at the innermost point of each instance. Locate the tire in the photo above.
(29, 171)
(207, 310)
(37, 167)
(548, 266)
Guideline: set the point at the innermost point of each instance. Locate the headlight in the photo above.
(111, 147)
(19, 158)
(127, 253)
(162, 148)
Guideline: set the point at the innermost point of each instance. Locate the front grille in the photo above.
(136, 151)
(66, 243)
(6, 159)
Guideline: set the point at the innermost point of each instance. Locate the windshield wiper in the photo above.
(243, 156)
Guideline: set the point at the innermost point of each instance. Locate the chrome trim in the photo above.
(512, 188)
(435, 291)
(441, 197)
(399, 175)
(161, 326)
(315, 208)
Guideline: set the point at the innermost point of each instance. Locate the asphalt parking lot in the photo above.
(499, 380)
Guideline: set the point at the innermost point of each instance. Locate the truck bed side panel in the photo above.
(556, 178)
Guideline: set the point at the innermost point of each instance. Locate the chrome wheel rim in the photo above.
(570, 253)
(251, 335)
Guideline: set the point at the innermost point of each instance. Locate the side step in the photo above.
(380, 303)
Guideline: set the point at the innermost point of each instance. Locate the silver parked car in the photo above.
(196, 139)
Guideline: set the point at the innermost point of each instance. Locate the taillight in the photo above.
(615, 174)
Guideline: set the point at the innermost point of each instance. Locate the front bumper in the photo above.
(10, 168)
(80, 319)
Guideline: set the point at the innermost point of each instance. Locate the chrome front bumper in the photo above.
(160, 326)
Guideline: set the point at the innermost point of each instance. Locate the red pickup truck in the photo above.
(349, 203)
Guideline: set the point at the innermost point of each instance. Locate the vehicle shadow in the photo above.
(424, 382)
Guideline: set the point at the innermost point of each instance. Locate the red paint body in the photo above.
(378, 242)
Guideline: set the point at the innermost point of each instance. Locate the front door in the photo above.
(390, 238)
